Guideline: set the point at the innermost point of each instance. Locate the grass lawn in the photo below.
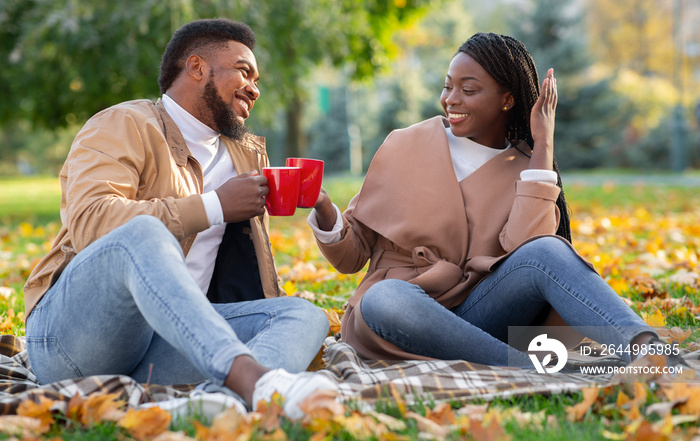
(644, 240)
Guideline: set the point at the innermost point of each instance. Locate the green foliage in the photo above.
(589, 113)
(70, 59)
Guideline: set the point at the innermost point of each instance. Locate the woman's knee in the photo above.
(549, 249)
(389, 301)
(384, 295)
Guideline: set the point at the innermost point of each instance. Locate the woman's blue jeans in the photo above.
(127, 305)
(543, 272)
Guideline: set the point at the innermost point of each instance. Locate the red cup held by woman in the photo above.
(310, 180)
(283, 183)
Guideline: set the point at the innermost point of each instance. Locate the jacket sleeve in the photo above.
(350, 254)
(534, 213)
(104, 172)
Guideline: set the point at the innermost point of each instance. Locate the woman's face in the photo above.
(473, 102)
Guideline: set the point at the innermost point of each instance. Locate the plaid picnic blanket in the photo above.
(18, 383)
(359, 379)
(439, 380)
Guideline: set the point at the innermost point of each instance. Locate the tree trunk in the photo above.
(295, 142)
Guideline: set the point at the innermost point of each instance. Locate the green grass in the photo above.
(29, 199)
(617, 196)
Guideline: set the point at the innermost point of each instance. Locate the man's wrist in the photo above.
(212, 206)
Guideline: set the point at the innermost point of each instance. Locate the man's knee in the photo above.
(145, 230)
(311, 315)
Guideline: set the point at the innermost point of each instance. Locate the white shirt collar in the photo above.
(193, 130)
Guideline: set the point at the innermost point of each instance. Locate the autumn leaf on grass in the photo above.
(144, 424)
(398, 399)
(333, 321)
(686, 395)
(473, 411)
(270, 412)
(675, 334)
(322, 404)
(391, 423)
(683, 277)
(229, 424)
(618, 285)
(648, 287)
(524, 419)
(22, 426)
(6, 292)
(577, 411)
(648, 431)
(317, 363)
(429, 427)
(289, 288)
(655, 319)
(365, 426)
(173, 436)
(630, 406)
(441, 414)
(482, 431)
(95, 408)
(41, 411)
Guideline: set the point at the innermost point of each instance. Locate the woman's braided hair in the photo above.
(510, 64)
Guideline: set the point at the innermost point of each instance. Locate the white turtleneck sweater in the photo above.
(205, 145)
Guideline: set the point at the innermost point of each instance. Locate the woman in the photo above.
(464, 223)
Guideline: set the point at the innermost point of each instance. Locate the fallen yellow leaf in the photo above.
(146, 423)
(41, 411)
(577, 411)
(22, 426)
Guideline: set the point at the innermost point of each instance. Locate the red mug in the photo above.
(283, 183)
(310, 180)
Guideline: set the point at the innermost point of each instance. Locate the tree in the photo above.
(72, 58)
(590, 115)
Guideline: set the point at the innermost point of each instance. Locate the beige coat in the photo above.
(415, 222)
(129, 160)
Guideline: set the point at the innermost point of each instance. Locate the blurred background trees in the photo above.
(338, 75)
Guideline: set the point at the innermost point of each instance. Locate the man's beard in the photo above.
(224, 118)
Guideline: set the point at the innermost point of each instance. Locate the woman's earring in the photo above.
(505, 107)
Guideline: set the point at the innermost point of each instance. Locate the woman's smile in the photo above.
(455, 118)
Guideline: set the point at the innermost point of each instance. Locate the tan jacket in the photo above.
(415, 222)
(129, 160)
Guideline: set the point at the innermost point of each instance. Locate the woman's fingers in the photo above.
(548, 94)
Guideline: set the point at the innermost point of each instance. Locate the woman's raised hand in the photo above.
(542, 122)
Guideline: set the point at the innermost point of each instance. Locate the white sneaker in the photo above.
(293, 387)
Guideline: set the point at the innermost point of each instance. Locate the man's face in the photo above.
(230, 91)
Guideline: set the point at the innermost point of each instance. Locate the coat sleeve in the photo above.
(350, 254)
(534, 213)
(102, 177)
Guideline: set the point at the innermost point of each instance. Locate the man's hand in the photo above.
(243, 197)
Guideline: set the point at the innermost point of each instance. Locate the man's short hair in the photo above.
(199, 35)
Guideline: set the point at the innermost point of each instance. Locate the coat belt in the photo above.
(436, 275)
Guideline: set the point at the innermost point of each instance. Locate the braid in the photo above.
(511, 65)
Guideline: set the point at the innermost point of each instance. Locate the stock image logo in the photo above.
(542, 344)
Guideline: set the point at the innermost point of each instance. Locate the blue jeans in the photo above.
(518, 292)
(127, 305)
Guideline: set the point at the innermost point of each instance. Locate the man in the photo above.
(163, 210)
